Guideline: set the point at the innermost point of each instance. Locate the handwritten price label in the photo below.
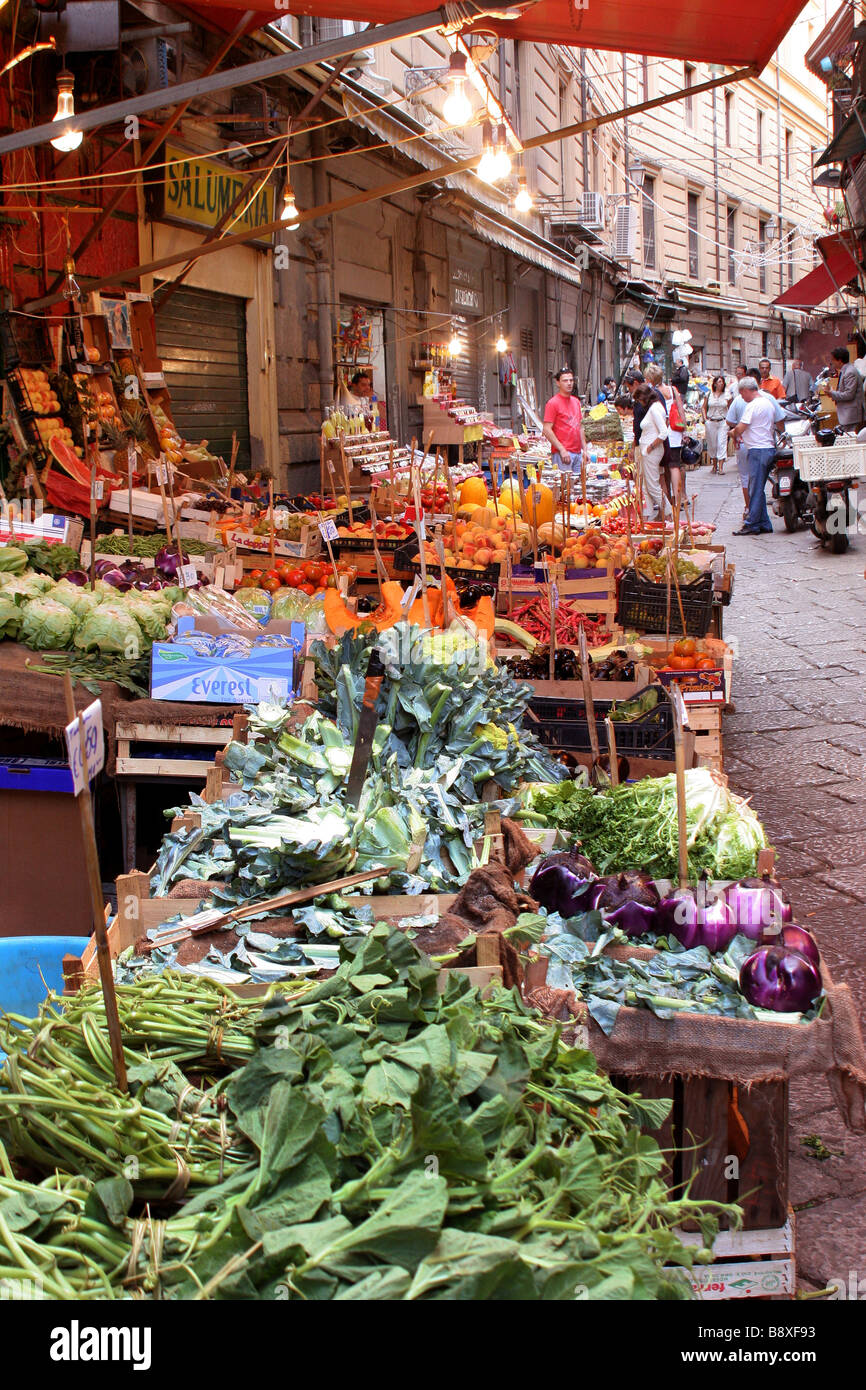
(331, 468)
(188, 575)
(83, 770)
(97, 490)
(161, 472)
(328, 530)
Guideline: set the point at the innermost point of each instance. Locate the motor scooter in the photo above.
(790, 494)
(821, 504)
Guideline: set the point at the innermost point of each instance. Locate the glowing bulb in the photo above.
(455, 347)
(487, 167)
(458, 108)
(501, 345)
(501, 155)
(523, 198)
(66, 107)
(289, 214)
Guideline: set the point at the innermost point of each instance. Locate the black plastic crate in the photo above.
(563, 724)
(644, 605)
(407, 560)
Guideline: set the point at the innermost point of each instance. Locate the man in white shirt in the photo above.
(756, 433)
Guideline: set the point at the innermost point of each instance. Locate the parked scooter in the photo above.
(790, 493)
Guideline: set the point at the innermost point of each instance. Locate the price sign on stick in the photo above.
(90, 747)
(98, 489)
(328, 530)
(161, 472)
(188, 576)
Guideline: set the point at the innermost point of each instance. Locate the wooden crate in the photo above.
(200, 737)
(594, 592)
(746, 1264)
(705, 721)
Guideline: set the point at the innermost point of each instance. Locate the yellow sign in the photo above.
(201, 191)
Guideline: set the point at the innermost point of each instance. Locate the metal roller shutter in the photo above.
(465, 367)
(202, 340)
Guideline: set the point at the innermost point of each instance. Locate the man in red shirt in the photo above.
(562, 422)
(768, 382)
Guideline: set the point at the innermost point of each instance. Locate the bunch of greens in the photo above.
(673, 981)
(147, 547)
(402, 1144)
(13, 560)
(90, 669)
(442, 698)
(634, 826)
(54, 560)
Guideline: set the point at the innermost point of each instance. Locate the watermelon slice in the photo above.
(67, 495)
(69, 460)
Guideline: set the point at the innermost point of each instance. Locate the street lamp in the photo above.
(289, 214)
(637, 173)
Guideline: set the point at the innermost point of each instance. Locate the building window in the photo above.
(762, 252)
(729, 118)
(689, 82)
(789, 154)
(732, 244)
(649, 223)
(694, 244)
(759, 137)
(765, 345)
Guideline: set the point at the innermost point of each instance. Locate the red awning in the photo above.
(838, 269)
(694, 30)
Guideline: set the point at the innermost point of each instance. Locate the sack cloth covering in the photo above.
(730, 1049)
(35, 703)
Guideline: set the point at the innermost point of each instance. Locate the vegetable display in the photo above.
(780, 979)
(534, 616)
(383, 1141)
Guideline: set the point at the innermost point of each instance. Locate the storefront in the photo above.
(215, 331)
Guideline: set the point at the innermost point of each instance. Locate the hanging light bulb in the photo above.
(455, 347)
(71, 287)
(523, 197)
(501, 155)
(487, 163)
(71, 139)
(289, 213)
(501, 344)
(458, 108)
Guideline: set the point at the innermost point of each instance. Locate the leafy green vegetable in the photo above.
(11, 613)
(12, 559)
(53, 560)
(47, 625)
(110, 627)
(634, 826)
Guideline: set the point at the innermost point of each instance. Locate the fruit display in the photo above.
(383, 531)
(594, 550)
(178, 450)
(686, 655)
(485, 540)
(656, 568)
(41, 394)
(309, 576)
(49, 426)
(342, 421)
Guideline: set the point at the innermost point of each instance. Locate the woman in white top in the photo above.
(715, 410)
(672, 474)
(653, 445)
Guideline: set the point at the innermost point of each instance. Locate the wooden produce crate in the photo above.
(705, 723)
(590, 591)
(255, 551)
(164, 740)
(746, 1264)
(573, 690)
(697, 687)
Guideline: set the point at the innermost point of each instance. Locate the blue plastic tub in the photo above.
(31, 965)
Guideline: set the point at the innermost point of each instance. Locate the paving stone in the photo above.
(814, 894)
(850, 880)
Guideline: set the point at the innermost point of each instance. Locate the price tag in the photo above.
(682, 714)
(536, 495)
(130, 456)
(422, 529)
(331, 468)
(328, 530)
(554, 590)
(94, 746)
(188, 575)
(161, 471)
(97, 490)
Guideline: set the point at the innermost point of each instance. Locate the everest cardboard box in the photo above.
(268, 673)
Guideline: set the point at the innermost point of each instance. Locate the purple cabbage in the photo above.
(166, 562)
(77, 577)
(695, 921)
(795, 938)
(101, 567)
(117, 579)
(757, 904)
(779, 979)
(565, 883)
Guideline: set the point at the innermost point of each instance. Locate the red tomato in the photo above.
(308, 589)
(274, 575)
(314, 571)
(295, 578)
(256, 574)
(272, 585)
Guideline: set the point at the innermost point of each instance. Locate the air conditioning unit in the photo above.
(625, 233)
(592, 210)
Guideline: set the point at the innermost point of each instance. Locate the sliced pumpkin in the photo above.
(340, 619)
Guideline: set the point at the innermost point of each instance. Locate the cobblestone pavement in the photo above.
(797, 745)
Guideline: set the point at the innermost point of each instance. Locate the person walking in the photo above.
(770, 383)
(715, 412)
(563, 423)
(757, 431)
(652, 443)
(849, 391)
(798, 382)
(672, 473)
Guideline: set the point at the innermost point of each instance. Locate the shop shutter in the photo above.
(202, 340)
(465, 366)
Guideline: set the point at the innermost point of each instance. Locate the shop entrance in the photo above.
(202, 340)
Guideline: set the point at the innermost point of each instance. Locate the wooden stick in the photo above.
(612, 753)
(346, 481)
(583, 487)
(508, 584)
(419, 530)
(393, 481)
(272, 545)
(130, 460)
(93, 457)
(381, 572)
(534, 489)
(91, 859)
(551, 598)
(493, 486)
(680, 764)
(443, 579)
(159, 466)
(232, 461)
(586, 677)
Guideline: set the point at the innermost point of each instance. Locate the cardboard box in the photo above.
(178, 673)
(45, 887)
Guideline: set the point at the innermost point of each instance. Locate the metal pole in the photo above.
(225, 80)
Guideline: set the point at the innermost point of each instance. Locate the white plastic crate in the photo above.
(817, 465)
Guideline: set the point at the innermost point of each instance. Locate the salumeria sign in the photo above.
(201, 191)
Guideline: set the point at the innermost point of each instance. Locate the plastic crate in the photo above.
(563, 724)
(644, 605)
(817, 465)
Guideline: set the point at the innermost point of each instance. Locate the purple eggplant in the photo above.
(166, 562)
(795, 938)
(565, 883)
(757, 904)
(634, 918)
(117, 579)
(101, 567)
(695, 921)
(630, 901)
(778, 979)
